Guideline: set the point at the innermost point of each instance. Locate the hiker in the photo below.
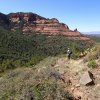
(69, 52)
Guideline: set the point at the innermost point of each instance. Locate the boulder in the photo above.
(87, 78)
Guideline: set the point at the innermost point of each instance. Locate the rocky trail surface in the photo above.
(72, 71)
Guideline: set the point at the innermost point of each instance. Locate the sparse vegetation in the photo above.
(93, 53)
(92, 64)
(28, 84)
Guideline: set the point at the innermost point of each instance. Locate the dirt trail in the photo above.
(72, 70)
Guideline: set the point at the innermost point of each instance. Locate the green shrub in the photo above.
(34, 60)
(92, 64)
(75, 55)
(28, 50)
(93, 54)
(9, 64)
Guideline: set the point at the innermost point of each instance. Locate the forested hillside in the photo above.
(17, 49)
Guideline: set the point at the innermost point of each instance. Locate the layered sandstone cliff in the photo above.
(31, 23)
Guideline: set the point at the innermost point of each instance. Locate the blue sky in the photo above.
(81, 14)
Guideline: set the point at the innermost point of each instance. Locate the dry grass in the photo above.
(33, 84)
(93, 54)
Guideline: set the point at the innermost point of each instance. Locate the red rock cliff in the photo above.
(31, 23)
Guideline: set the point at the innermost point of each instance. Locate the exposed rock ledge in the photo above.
(33, 23)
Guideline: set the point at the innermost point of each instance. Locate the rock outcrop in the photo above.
(31, 23)
(87, 79)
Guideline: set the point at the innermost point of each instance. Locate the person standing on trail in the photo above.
(69, 52)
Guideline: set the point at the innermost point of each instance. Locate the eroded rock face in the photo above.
(35, 23)
(31, 23)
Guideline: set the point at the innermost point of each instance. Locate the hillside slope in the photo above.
(19, 49)
(54, 78)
